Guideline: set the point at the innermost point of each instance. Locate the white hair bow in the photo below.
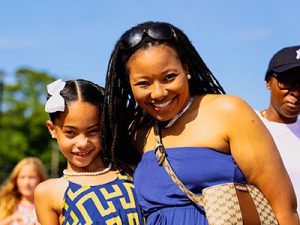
(56, 102)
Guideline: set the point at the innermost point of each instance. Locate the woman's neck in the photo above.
(273, 116)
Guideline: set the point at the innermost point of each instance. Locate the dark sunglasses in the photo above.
(156, 31)
(286, 82)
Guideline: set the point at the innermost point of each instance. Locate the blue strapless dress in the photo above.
(163, 202)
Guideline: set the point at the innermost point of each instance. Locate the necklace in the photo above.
(174, 119)
(96, 173)
(264, 114)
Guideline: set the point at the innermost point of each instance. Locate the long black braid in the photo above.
(122, 116)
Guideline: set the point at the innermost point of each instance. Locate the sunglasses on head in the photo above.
(156, 31)
(287, 81)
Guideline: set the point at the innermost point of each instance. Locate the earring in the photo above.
(188, 76)
(268, 88)
(52, 135)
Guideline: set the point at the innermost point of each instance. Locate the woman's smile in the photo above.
(162, 106)
(159, 81)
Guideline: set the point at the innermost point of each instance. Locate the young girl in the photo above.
(91, 190)
(17, 194)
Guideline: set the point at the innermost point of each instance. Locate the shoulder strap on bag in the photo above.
(162, 160)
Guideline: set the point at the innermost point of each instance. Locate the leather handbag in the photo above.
(224, 204)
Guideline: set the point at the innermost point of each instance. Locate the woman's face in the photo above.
(286, 102)
(27, 180)
(159, 81)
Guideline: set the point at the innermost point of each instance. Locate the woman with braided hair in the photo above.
(156, 78)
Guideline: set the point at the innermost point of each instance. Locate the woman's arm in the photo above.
(255, 152)
(46, 204)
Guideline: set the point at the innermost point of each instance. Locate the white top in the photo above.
(287, 139)
(28, 214)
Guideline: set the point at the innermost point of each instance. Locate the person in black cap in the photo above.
(281, 117)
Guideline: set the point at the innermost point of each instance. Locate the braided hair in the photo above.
(121, 115)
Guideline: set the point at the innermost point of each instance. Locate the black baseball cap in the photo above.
(285, 59)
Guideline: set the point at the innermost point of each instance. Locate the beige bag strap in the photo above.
(162, 160)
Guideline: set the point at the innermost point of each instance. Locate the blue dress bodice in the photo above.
(160, 198)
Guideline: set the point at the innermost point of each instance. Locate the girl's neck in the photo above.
(27, 201)
(94, 180)
(96, 165)
(88, 173)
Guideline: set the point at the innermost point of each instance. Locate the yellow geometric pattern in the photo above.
(111, 204)
(114, 221)
(74, 217)
(117, 192)
(133, 218)
(131, 204)
(125, 177)
(72, 195)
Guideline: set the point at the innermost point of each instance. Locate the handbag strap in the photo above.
(160, 153)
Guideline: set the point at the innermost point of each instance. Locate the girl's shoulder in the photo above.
(52, 184)
(52, 190)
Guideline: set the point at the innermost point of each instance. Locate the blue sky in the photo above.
(74, 39)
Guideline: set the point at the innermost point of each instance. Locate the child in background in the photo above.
(17, 193)
(91, 191)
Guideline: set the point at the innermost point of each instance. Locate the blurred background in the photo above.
(44, 40)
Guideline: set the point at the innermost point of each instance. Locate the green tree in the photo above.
(23, 131)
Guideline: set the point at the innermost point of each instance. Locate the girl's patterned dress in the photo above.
(111, 203)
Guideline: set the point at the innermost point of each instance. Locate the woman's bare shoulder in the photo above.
(223, 101)
(225, 105)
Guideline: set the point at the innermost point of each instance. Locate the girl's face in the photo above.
(77, 131)
(27, 180)
(159, 81)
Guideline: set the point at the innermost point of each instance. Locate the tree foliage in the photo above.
(23, 131)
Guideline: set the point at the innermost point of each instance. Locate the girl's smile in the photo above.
(78, 135)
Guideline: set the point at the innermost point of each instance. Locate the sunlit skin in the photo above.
(78, 136)
(159, 81)
(284, 104)
(27, 181)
